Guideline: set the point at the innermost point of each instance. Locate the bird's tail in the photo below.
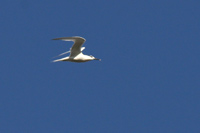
(57, 60)
(62, 59)
(62, 54)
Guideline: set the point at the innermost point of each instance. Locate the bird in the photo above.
(76, 54)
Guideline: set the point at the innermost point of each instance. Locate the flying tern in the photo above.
(76, 54)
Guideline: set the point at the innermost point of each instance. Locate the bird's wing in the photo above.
(76, 48)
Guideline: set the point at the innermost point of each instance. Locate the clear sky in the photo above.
(147, 81)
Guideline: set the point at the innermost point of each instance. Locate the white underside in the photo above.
(79, 58)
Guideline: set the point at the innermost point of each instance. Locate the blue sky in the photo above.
(147, 81)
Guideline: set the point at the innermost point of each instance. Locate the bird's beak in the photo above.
(97, 59)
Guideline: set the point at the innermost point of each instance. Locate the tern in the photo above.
(76, 54)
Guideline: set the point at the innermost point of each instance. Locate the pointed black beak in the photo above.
(97, 59)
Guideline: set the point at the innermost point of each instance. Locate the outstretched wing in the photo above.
(76, 48)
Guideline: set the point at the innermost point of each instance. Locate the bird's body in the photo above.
(76, 54)
(79, 58)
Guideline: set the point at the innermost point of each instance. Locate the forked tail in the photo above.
(62, 59)
(57, 60)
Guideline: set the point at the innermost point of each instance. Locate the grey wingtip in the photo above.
(73, 37)
(55, 39)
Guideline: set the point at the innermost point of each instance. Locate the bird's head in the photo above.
(93, 58)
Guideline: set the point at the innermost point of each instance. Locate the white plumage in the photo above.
(76, 54)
